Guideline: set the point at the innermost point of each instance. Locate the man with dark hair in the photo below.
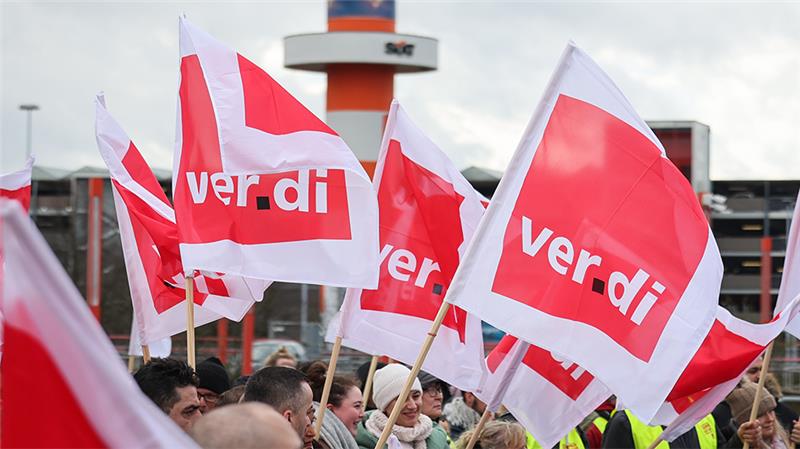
(172, 386)
(287, 391)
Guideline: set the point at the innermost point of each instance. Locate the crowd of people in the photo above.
(276, 408)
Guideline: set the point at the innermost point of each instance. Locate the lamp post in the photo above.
(29, 108)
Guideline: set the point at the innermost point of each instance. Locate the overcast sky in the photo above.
(733, 66)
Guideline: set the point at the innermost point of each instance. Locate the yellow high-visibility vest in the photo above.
(600, 423)
(644, 435)
(575, 441)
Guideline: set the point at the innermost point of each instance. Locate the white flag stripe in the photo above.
(119, 413)
(17, 179)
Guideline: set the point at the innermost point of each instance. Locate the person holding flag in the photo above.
(413, 429)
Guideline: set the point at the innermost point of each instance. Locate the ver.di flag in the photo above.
(428, 214)
(262, 187)
(730, 349)
(17, 185)
(595, 236)
(150, 246)
(64, 385)
(548, 394)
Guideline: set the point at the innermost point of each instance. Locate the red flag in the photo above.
(727, 352)
(548, 394)
(593, 235)
(262, 187)
(428, 213)
(17, 185)
(64, 384)
(150, 244)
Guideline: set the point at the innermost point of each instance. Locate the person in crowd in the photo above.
(413, 430)
(433, 395)
(241, 380)
(626, 430)
(361, 374)
(496, 435)
(595, 424)
(462, 413)
(172, 385)
(244, 426)
(345, 407)
(754, 372)
(213, 382)
(281, 357)
(765, 432)
(784, 413)
(288, 392)
(232, 396)
(575, 439)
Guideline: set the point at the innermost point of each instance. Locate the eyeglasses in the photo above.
(210, 398)
(753, 370)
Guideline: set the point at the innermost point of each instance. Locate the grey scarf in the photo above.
(334, 432)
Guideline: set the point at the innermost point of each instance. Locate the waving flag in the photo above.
(262, 187)
(728, 350)
(548, 394)
(161, 348)
(790, 278)
(150, 244)
(595, 236)
(56, 353)
(17, 185)
(428, 214)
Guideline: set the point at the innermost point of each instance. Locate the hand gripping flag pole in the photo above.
(423, 353)
(761, 379)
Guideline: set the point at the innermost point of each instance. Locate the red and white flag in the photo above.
(728, 350)
(64, 384)
(593, 235)
(790, 278)
(428, 214)
(548, 394)
(150, 245)
(17, 185)
(262, 187)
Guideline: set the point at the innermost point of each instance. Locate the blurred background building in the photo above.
(361, 54)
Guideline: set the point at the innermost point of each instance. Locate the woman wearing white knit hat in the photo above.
(413, 429)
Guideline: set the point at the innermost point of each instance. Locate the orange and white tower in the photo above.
(361, 54)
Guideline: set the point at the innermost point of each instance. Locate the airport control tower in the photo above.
(361, 53)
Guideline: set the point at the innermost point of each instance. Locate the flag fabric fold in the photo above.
(790, 278)
(548, 394)
(17, 185)
(56, 353)
(428, 214)
(262, 187)
(150, 245)
(730, 348)
(727, 352)
(593, 235)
